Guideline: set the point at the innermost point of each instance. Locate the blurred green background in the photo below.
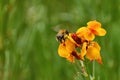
(28, 48)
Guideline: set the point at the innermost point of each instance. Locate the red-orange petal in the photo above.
(71, 58)
(99, 60)
(72, 40)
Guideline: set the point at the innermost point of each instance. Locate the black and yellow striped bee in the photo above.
(61, 35)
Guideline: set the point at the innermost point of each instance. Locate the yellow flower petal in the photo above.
(94, 24)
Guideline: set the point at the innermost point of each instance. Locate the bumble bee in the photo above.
(61, 35)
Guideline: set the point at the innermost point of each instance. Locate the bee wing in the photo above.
(58, 27)
(67, 27)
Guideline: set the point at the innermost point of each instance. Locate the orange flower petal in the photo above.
(96, 45)
(62, 51)
(93, 53)
(81, 31)
(95, 28)
(89, 36)
(94, 24)
(83, 50)
(100, 32)
(70, 46)
(65, 50)
(85, 34)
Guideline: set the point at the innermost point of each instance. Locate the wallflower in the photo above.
(82, 39)
(95, 28)
(92, 51)
(67, 50)
(88, 33)
(85, 34)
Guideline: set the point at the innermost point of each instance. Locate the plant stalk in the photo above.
(6, 67)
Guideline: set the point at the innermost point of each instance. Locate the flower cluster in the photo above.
(82, 40)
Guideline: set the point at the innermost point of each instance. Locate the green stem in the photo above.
(6, 67)
(82, 64)
(93, 72)
(84, 72)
